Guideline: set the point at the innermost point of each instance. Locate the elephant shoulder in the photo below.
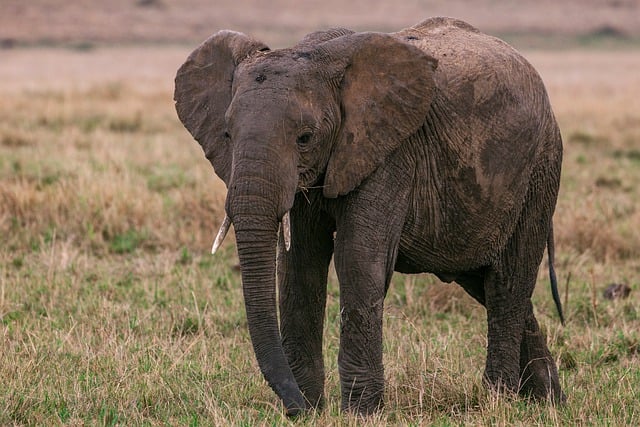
(441, 23)
(465, 54)
(431, 32)
(313, 39)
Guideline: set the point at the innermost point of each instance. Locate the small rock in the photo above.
(616, 291)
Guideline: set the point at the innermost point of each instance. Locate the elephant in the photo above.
(430, 150)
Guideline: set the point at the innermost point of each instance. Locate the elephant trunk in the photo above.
(256, 211)
(257, 252)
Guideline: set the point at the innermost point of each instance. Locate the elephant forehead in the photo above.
(265, 106)
(284, 69)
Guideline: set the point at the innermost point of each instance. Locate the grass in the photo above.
(113, 313)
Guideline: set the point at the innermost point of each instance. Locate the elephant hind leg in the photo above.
(489, 287)
(538, 373)
(537, 376)
(518, 358)
(505, 326)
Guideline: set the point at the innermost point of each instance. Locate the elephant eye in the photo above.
(227, 135)
(305, 138)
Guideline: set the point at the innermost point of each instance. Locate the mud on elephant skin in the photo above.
(433, 149)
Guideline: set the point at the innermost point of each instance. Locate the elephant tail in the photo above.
(552, 274)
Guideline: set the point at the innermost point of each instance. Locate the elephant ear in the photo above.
(203, 92)
(387, 87)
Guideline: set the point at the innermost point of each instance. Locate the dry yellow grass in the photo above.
(595, 96)
(87, 162)
(128, 90)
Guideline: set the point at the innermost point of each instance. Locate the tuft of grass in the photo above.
(15, 139)
(126, 124)
(586, 138)
(632, 154)
(126, 242)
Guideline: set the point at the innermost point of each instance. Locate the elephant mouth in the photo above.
(285, 229)
(309, 179)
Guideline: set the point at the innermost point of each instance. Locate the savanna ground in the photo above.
(113, 312)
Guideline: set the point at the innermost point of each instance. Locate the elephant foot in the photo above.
(309, 375)
(501, 372)
(539, 376)
(315, 398)
(500, 382)
(363, 398)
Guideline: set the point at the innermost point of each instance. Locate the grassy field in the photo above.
(113, 312)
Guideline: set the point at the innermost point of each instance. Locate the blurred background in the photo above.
(85, 22)
(29, 29)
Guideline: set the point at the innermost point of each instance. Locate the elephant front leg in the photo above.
(368, 230)
(360, 357)
(302, 277)
(364, 279)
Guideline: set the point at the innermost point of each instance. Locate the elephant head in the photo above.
(324, 113)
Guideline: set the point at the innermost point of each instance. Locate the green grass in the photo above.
(112, 312)
(154, 338)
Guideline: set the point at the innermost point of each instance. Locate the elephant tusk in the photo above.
(286, 230)
(222, 233)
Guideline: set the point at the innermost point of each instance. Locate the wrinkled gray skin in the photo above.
(433, 149)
